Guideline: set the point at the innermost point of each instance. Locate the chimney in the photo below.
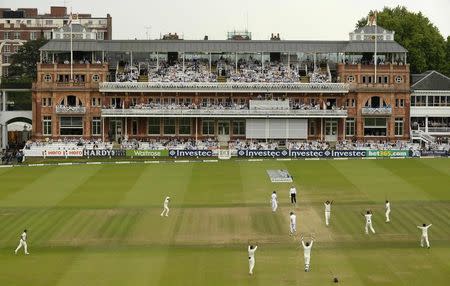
(29, 12)
(58, 11)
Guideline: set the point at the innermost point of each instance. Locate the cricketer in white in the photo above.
(368, 217)
(327, 205)
(251, 258)
(424, 237)
(307, 252)
(274, 201)
(23, 242)
(166, 207)
(387, 208)
(293, 223)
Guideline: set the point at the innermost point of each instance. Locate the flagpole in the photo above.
(376, 39)
(71, 49)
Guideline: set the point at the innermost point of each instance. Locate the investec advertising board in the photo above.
(190, 153)
(147, 153)
(303, 153)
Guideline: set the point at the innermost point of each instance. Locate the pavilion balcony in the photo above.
(61, 109)
(226, 113)
(376, 111)
(234, 87)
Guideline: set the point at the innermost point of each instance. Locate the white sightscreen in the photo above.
(276, 128)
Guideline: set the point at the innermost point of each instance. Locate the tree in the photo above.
(447, 59)
(425, 44)
(24, 62)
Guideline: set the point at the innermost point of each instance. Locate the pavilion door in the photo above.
(223, 130)
(331, 130)
(115, 129)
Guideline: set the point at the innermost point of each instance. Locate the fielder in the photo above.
(166, 207)
(274, 201)
(387, 208)
(293, 220)
(23, 242)
(293, 195)
(327, 205)
(424, 237)
(368, 217)
(251, 258)
(307, 252)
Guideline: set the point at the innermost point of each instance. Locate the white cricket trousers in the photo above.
(327, 218)
(387, 215)
(293, 228)
(423, 239)
(274, 206)
(251, 264)
(24, 244)
(369, 225)
(165, 210)
(307, 260)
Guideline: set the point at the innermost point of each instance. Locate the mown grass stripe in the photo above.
(37, 227)
(78, 225)
(412, 218)
(441, 225)
(126, 224)
(89, 230)
(25, 220)
(17, 180)
(57, 220)
(402, 220)
(68, 226)
(347, 221)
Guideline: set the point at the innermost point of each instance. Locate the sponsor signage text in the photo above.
(147, 153)
(303, 153)
(435, 153)
(104, 153)
(62, 153)
(388, 153)
(190, 153)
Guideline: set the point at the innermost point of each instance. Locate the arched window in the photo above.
(375, 102)
(71, 100)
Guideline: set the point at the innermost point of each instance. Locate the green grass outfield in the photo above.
(100, 224)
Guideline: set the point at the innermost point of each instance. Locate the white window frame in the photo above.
(399, 125)
(350, 125)
(47, 124)
(209, 122)
(174, 126)
(159, 126)
(184, 125)
(96, 124)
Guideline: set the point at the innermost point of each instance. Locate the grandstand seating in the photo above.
(220, 71)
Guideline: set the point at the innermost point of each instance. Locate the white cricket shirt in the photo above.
(368, 218)
(293, 219)
(251, 252)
